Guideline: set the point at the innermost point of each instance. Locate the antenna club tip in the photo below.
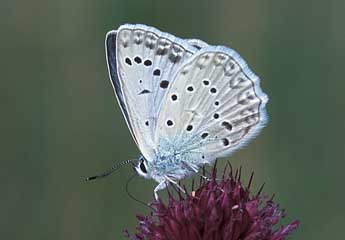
(88, 179)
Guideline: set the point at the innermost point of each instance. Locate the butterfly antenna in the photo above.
(110, 171)
(131, 196)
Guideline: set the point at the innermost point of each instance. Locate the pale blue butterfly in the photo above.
(186, 103)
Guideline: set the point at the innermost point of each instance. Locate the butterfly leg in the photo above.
(194, 169)
(190, 167)
(163, 184)
(175, 183)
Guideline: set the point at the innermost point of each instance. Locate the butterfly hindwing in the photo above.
(141, 62)
(213, 107)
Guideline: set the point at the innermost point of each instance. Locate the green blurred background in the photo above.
(60, 121)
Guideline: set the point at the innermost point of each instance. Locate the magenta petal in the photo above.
(221, 209)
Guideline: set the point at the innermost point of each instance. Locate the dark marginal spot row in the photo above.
(138, 60)
(174, 57)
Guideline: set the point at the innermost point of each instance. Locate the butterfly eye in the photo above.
(142, 166)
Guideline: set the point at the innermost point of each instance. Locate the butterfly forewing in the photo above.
(145, 61)
(214, 106)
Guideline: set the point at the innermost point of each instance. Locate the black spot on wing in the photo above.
(225, 142)
(128, 61)
(164, 84)
(145, 91)
(174, 97)
(227, 125)
(213, 90)
(204, 135)
(206, 82)
(148, 62)
(137, 60)
(170, 123)
(190, 88)
(157, 72)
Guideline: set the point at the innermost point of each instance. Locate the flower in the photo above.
(217, 209)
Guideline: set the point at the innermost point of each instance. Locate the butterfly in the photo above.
(186, 103)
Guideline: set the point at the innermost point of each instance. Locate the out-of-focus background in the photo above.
(60, 120)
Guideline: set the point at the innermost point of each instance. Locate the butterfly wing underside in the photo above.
(214, 106)
(141, 61)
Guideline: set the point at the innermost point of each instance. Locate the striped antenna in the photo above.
(110, 171)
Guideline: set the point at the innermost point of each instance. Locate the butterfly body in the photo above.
(186, 103)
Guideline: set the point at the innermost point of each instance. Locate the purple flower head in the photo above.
(217, 209)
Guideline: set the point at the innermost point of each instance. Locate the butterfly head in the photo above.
(143, 168)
